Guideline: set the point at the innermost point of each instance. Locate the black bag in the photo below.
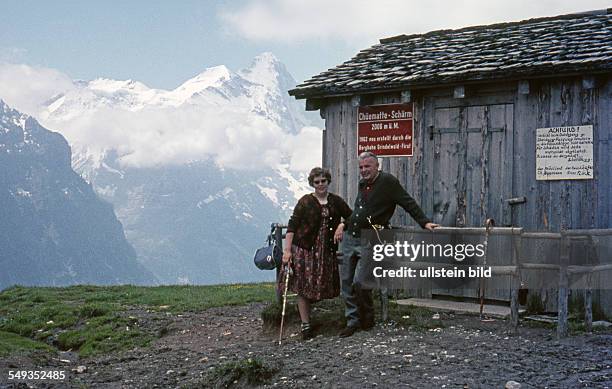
(269, 257)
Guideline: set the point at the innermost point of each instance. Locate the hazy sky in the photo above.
(164, 43)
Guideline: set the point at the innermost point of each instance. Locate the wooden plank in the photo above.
(563, 290)
(524, 184)
(352, 177)
(475, 169)
(331, 129)
(448, 173)
(423, 173)
(341, 150)
(499, 169)
(461, 181)
(428, 156)
(514, 304)
(446, 168)
(540, 266)
(589, 232)
(588, 269)
(327, 135)
(516, 282)
(325, 146)
(588, 309)
(557, 199)
(508, 165)
(478, 231)
(455, 306)
(491, 99)
(582, 192)
(542, 235)
(543, 187)
(337, 129)
(603, 161)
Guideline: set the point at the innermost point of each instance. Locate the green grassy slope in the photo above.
(92, 319)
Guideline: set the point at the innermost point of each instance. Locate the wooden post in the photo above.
(516, 283)
(384, 303)
(514, 304)
(563, 287)
(588, 305)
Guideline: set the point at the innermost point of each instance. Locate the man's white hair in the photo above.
(368, 154)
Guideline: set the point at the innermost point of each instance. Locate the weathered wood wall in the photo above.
(472, 154)
(550, 206)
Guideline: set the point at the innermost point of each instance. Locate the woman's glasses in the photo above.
(322, 181)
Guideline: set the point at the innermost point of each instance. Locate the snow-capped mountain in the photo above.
(198, 173)
(54, 230)
(261, 88)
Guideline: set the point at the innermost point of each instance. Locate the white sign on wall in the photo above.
(564, 153)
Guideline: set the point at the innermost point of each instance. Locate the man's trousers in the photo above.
(359, 309)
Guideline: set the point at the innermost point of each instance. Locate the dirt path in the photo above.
(462, 353)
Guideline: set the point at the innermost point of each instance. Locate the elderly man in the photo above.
(379, 193)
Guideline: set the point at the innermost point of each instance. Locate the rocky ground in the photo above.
(197, 350)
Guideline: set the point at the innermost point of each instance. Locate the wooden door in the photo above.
(472, 164)
(472, 148)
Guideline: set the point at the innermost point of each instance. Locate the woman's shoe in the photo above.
(307, 334)
(306, 331)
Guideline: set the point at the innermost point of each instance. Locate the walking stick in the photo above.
(287, 273)
(488, 224)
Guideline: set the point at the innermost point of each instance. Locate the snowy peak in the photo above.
(112, 86)
(211, 77)
(270, 83)
(267, 70)
(95, 115)
(260, 88)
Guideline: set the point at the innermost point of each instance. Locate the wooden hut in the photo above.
(480, 96)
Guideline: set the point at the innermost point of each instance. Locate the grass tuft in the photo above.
(416, 318)
(12, 343)
(251, 371)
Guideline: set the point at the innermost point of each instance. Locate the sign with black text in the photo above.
(564, 153)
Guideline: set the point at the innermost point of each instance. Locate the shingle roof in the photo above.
(544, 46)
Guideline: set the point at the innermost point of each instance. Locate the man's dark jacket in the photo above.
(378, 200)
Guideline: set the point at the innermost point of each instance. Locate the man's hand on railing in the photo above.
(431, 226)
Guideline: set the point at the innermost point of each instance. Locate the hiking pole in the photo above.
(488, 224)
(287, 273)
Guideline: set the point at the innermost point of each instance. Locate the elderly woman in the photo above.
(310, 245)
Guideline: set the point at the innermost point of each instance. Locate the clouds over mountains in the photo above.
(231, 117)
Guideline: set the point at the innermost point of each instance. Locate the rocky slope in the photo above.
(54, 229)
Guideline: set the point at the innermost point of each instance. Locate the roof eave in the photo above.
(321, 93)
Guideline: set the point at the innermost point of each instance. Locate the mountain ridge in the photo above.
(54, 229)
